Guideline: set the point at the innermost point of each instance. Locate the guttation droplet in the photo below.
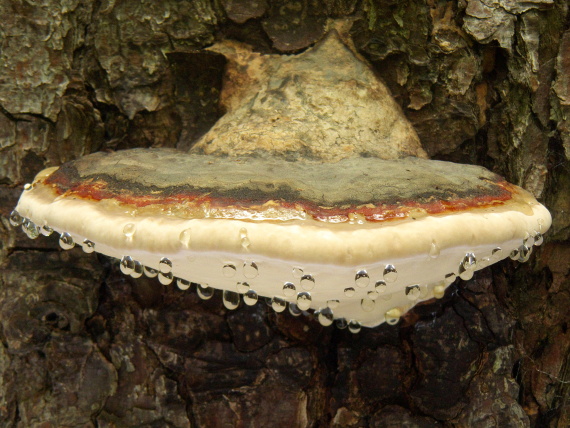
(497, 253)
(307, 282)
(229, 270)
(439, 291)
(380, 287)
(467, 266)
(150, 272)
(289, 289)
(204, 292)
(524, 253)
(278, 304)
(538, 239)
(434, 250)
(349, 292)
(129, 230)
(183, 284)
(46, 230)
(367, 305)
(294, 309)
(88, 246)
(184, 237)
(361, 278)
(297, 272)
(325, 317)
(15, 218)
(138, 270)
(250, 270)
(66, 241)
(250, 297)
(354, 326)
(390, 273)
(30, 229)
(413, 292)
(127, 265)
(393, 316)
(242, 287)
(304, 300)
(27, 186)
(244, 240)
(165, 278)
(165, 265)
(450, 278)
(230, 299)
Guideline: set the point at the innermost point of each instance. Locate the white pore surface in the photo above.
(423, 251)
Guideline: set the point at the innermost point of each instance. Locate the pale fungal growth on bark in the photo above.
(311, 191)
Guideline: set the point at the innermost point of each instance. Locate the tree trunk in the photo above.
(483, 82)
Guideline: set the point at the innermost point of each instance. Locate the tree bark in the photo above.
(483, 82)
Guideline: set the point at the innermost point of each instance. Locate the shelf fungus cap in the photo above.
(363, 239)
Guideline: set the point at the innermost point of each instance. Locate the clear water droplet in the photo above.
(88, 246)
(289, 289)
(341, 323)
(127, 265)
(367, 305)
(30, 229)
(467, 266)
(229, 270)
(165, 278)
(244, 239)
(150, 272)
(46, 230)
(185, 237)
(393, 316)
(361, 278)
(325, 317)
(380, 287)
(129, 230)
(349, 292)
(307, 282)
(450, 278)
(304, 300)
(434, 250)
(250, 270)
(278, 304)
(354, 326)
(230, 299)
(204, 292)
(333, 304)
(297, 272)
(538, 239)
(514, 254)
(15, 218)
(373, 295)
(242, 287)
(183, 284)
(66, 241)
(165, 265)
(390, 273)
(413, 292)
(497, 253)
(138, 270)
(294, 310)
(524, 253)
(250, 298)
(439, 291)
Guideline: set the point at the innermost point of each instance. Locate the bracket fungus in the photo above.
(312, 191)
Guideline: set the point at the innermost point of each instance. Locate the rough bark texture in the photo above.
(484, 82)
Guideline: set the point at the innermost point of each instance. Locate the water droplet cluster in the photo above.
(370, 287)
